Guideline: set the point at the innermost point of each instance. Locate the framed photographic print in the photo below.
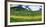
(24, 13)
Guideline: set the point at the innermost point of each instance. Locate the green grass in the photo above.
(25, 18)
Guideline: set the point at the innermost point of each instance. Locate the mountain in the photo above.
(25, 7)
(19, 7)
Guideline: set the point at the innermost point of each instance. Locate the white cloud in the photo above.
(23, 6)
(34, 8)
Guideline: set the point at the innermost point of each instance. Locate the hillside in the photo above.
(24, 12)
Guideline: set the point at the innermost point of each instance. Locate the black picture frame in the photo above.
(6, 24)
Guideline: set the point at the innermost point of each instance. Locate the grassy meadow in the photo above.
(23, 15)
(25, 18)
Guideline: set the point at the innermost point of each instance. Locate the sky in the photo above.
(32, 7)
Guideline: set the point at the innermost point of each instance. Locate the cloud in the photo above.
(34, 8)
